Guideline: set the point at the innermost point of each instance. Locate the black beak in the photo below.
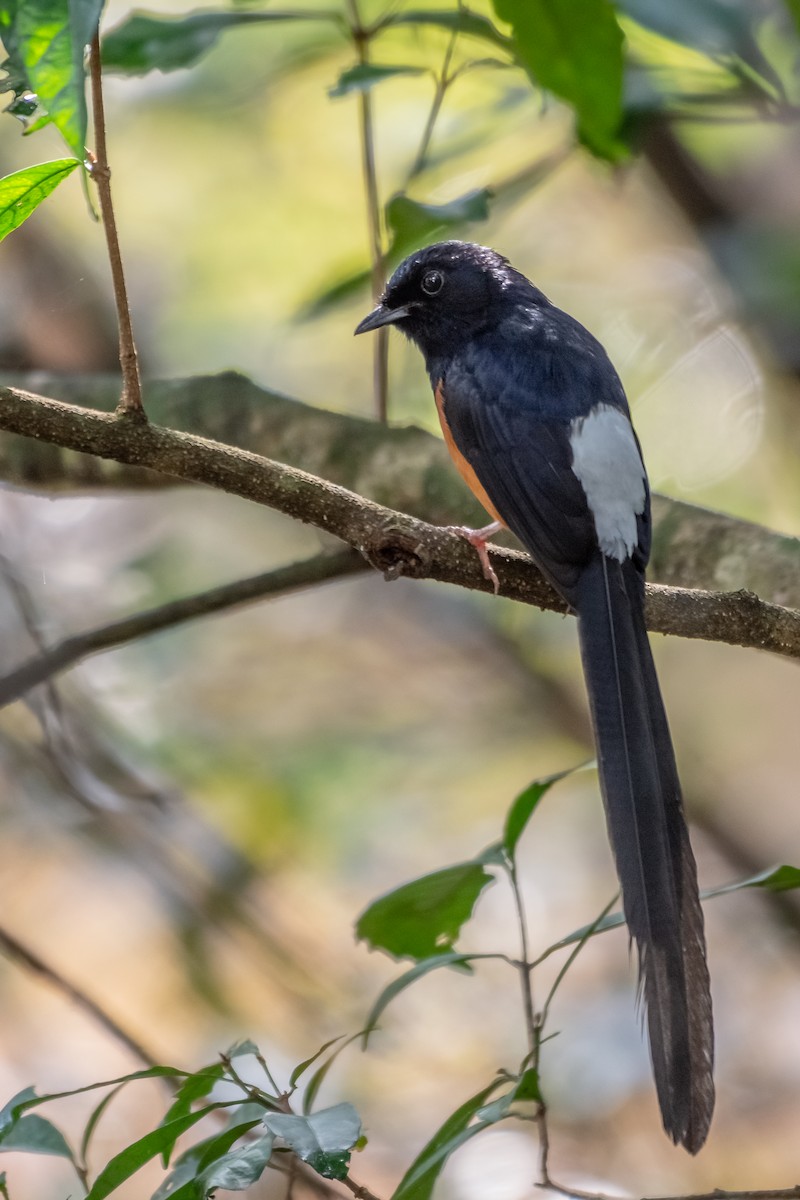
(381, 316)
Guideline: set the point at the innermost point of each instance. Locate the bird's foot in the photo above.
(479, 538)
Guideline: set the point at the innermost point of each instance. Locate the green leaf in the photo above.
(364, 76)
(302, 1067)
(323, 1140)
(182, 1179)
(794, 8)
(774, 879)
(462, 20)
(389, 993)
(524, 806)
(23, 192)
(149, 41)
(573, 48)
(420, 1178)
(92, 1123)
(236, 1170)
(423, 918)
(129, 1160)
(317, 1079)
(51, 37)
(36, 1136)
(194, 1088)
(414, 224)
(12, 1111)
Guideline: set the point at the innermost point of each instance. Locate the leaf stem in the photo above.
(443, 81)
(380, 372)
(130, 402)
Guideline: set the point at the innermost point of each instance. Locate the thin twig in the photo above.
(130, 402)
(788, 1193)
(443, 82)
(524, 965)
(14, 949)
(359, 1191)
(361, 39)
(54, 660)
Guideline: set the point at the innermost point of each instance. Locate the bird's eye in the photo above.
(432, 282)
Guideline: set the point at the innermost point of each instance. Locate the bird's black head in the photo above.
(446, 293)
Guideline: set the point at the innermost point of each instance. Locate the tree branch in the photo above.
(393, 542)
(15, 950)
(60, 657)
(403, 468)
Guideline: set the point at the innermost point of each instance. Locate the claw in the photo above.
(479, 538)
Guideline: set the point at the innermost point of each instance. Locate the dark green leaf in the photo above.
(794, 8)
(236, 1170)
(524, 807)
(323, 1140)
(37, 1136)
(462, 19)
(422, 968)
(3, 1186)
(423, 918)
(365, 75)
(414, 224)
(148, 41)
(190, 1165)
(573, 48)
(193, 1088)
(129, 1160)
(51, 37)
(420, 1178)
(23, 192)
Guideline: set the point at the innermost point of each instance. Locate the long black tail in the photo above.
(655, 864)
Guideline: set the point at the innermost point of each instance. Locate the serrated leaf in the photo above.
(133, 1157)
(420, 1178)
(150, 41)
(51, 37)
(36, 1136)
(23, 192)
(573, 48)
(323, 1139)
(393, 990)
(526, 803)
(364, 76)
(423, 918)
(237, 1169)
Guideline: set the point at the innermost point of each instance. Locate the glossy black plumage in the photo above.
(537, 414)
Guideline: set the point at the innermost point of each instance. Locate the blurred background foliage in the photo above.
(190, 825)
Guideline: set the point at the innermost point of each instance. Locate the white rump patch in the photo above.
(607, 462)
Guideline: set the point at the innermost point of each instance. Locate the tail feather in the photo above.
(650, 841)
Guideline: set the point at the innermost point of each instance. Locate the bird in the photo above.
(537, 422)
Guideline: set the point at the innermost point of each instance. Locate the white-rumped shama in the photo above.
(537, 422)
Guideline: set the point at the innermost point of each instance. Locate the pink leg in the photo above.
(479, 538)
